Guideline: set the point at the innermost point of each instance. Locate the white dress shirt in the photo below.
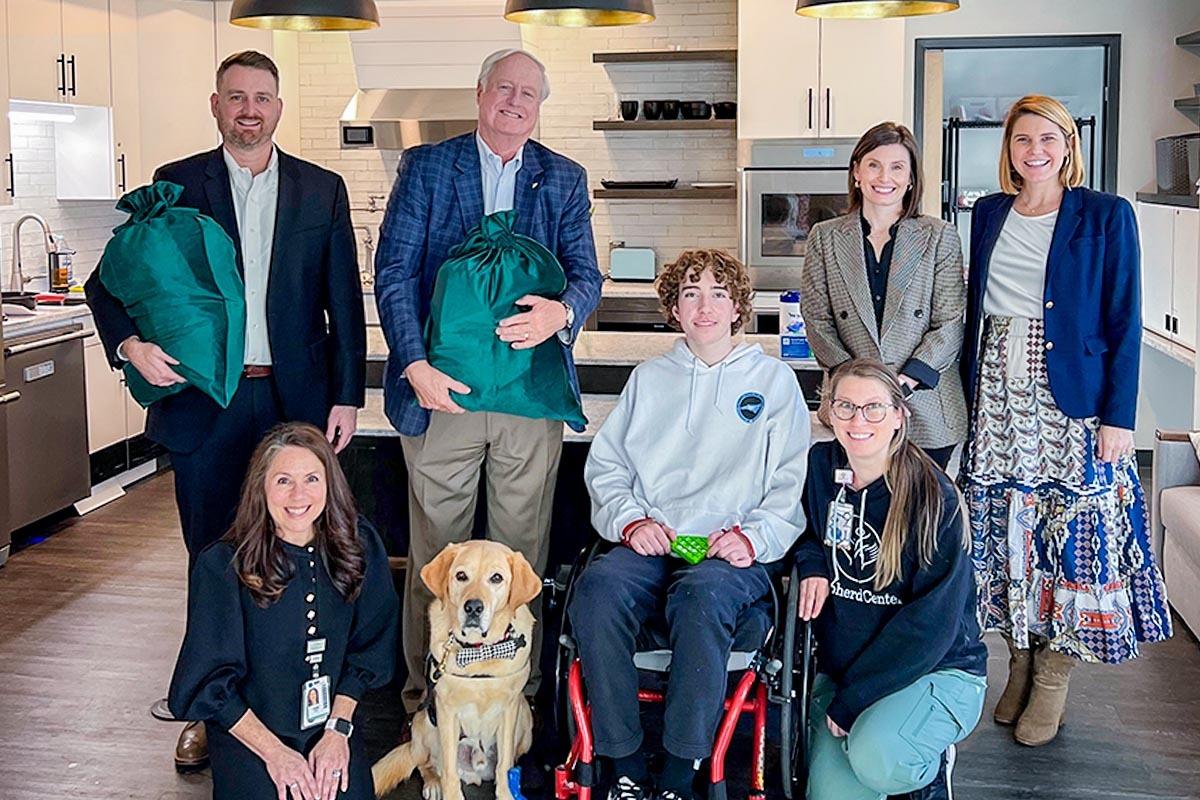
(499, 178)
(255, 199)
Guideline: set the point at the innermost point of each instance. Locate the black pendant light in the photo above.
(580, 13)
(305, 15)
(872, 9)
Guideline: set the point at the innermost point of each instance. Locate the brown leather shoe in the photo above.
(191, 752)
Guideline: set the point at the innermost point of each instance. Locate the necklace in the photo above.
(1028, 209)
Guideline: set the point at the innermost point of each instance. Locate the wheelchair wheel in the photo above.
(795, 681)
(566, 653)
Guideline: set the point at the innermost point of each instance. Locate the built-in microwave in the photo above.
(787, 186)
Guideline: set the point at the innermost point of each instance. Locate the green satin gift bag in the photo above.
(175, 271)
(476, 287)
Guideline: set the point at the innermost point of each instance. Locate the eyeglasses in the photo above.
(872, 412)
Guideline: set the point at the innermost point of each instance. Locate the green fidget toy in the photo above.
(691, 549)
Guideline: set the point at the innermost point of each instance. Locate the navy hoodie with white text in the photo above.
(875, 643)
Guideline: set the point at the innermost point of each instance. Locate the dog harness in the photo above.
(467, 654)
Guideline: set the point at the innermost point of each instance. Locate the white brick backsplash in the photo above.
(582, 91)
(86, 224)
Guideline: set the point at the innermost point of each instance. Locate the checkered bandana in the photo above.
(506, 648)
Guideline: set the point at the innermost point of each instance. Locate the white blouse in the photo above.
(1017, 272)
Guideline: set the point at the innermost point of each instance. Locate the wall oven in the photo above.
(787, 186)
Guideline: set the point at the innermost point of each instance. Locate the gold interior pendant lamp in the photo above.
(872, 9)
(580, 13)
(305, 15)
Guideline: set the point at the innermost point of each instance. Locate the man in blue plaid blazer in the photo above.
(441, 192)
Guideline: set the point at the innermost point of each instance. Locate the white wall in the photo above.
(1154, 72)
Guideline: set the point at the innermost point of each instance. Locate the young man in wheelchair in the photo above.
(708, 440)
(885, 572)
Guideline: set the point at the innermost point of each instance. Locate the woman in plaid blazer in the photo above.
(886, 282)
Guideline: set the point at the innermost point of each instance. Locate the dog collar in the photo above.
(506, 649)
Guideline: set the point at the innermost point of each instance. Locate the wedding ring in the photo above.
(525, 338)
(337, 773)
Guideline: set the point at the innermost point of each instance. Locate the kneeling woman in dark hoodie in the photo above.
(886, 574)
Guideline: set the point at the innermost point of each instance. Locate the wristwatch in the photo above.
(570, 315)
(339, 725)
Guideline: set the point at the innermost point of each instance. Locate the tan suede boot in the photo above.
(1016, 691)
(1039, 722)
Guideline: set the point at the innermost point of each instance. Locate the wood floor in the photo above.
(91, 619)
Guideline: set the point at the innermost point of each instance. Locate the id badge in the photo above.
(839, 525)
(314, 702)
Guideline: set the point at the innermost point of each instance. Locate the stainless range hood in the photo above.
(396, 119)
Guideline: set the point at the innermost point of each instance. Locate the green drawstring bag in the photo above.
(476, 287)
(176, 273)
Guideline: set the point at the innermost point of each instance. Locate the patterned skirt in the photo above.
(1060, 539)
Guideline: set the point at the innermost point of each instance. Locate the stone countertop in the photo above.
(46, 318)
(596, 407)
(613, 349)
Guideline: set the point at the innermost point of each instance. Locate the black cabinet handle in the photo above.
(12, 178)
(810, 99)
(71, 61)
(62, 74)
(1167, 317)
(828, 110)
(121, 161)
(1174, 324)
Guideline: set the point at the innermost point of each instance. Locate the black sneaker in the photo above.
(626, 788)
(941, 788)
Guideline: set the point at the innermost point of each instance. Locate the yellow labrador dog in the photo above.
(476, 722)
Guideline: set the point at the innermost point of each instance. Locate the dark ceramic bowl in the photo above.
(725, 110)
(629, 109)
(652, 109)
(670, 109)
(696, 109)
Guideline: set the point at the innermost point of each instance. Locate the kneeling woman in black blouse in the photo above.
(291, 618)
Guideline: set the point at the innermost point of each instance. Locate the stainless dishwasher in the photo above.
(47, 455)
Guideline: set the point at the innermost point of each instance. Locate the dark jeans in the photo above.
(614, 598)
(208, 480)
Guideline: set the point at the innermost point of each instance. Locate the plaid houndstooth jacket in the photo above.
(437, 198)
(922, 319)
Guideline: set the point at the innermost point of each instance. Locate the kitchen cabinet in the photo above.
(105, 399)
(1170, 238)
(179, 43)
(128, 171)
(7, 173)
(803, 77)
(58, 51)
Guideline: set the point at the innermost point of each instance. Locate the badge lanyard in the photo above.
(839, 527)
(315, 703)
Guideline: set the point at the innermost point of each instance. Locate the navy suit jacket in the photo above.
(1091, 301)
(315, 319)
(437, 198)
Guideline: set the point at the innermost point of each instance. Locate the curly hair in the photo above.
(726, 270)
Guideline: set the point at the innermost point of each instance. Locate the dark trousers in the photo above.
(208, 480)
(940, 455)
(615, 596)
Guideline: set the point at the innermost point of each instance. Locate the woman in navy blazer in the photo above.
(1050, 367)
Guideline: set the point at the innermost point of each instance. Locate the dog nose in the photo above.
(473, 608)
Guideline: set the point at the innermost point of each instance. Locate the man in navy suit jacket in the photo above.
(441, 192)
(306, 338)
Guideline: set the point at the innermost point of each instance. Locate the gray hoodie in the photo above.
(701, 448)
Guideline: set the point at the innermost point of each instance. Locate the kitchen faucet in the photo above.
(17, 280)
(367, 272)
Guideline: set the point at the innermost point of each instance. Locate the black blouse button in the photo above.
(843, 315)
(919, 313)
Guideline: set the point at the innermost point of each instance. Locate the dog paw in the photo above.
(432, 790)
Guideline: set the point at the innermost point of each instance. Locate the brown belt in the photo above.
(256, 371)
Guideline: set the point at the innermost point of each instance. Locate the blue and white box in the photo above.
(793, 339)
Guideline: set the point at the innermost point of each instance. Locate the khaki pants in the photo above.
(520, 459)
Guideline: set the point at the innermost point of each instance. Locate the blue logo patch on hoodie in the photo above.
(749, 406)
